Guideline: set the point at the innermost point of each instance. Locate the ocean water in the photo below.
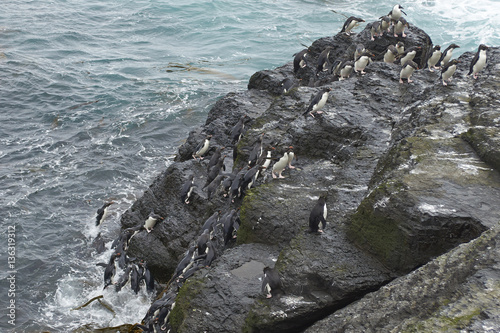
(95, 98)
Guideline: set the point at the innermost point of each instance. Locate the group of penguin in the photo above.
(134, 272)
(220, 229)
(394, 24)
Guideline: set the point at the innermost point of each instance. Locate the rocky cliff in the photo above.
(410, 171)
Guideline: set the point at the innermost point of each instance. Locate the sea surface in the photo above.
(95, 98)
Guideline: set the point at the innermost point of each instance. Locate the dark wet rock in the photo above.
(456, 292)
(410, 170)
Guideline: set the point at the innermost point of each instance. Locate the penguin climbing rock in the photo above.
(279, 166)
(406, 72)
(346, 70)
(448, 70)
(299, 60)
(479, 61)
(187, 190)
(318, 215)
(350, 23)
(323, 62)
(446, 55)
(434, 58)
(151, 221)
(318, 102)
(271, 282)
(202, 148)
(391, 54)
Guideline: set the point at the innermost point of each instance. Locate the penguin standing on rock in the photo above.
(448, 70)
(187, 190)
(317, 103)
(299, 61)
(270, 282)
(446, 55)
(350, 23)
(396, 13)
(400, 46)
(385, 24)
(362, 62)
(406, 72)
(323, 61)
(346, 70)
(434, 58)
(360, 48)
(102, 213)
(391, 54)
(409, 54)
(202, 148)
(279, 166)
(375, 30)
(215, 157)
(479, 61)
(291, 156)
(151, 221)
(399, 27)
(237, 130)
(318, 214)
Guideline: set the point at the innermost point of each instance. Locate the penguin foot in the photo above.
(269, 296)
(291, 166)
(445, 84)
(410, 81)
(404, 35)
(475, 76)
(395, 35)
(401, 81)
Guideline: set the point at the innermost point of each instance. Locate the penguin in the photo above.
(237, 130)
(335, 67)
(110, 270)
(256, 151)
(318, 214)
(291, 156)
(434, 58)
(448, 70)
(124, 279)
(215, 157)
(102, 213)
(396, 12)
(288, 85)
(235, 190)
(279, 166)
(151, 221)
(210, 222)
(212, 187)
(228, 226)
(346, 70)
(479, 61)
(214, 171)
(409, 54)
(299, 60)
(148, 278)
(201, 243)
(391, 54)
(264, 161)
(350, 23)
(270, 282)
(135, 279)
(184, 263)
(400, 46)
(208, 256)
(202, 148)
(399, 27)
(446, 55)
(408, 68)
(360, 48)
(385, 23)
(249, 178)
(323, 61)
(375, 30)
(362, 62)
(318, 102)
(187, 190)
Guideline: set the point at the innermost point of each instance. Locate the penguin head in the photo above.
(437, 48)
(483, 47)
(454, 46)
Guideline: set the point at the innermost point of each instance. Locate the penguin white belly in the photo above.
(389, 57)
(325, 211)
(149, 224)
(449, 72)
(321, 102)
(346, 71)
(434, 59)
(446, 58)
(361, 63)
(406, 72)
(481, 62)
